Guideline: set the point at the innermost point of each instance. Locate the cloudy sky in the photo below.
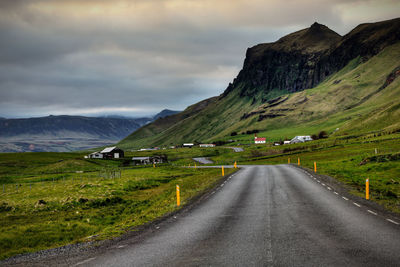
(137, 57)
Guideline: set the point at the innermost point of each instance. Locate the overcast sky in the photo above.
(138, 57)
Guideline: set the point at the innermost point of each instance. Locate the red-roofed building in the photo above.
(260, 140)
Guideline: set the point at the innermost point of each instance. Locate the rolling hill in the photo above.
(306, 82)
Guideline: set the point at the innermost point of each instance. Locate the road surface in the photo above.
(203, 160)
(237, 149)
(263, 216)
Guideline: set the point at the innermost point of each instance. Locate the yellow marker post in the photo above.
(178, 196)
(288, 160)
(235, 165)
(154, 165)
(298, 161)
(195, 166)
(189, 165)
(223, 171)
(367, 189)
(315, 166)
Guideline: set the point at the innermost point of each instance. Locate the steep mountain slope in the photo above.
(308, 81)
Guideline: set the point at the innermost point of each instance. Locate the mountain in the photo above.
(64, 133)
(308, 81)
(164, 113)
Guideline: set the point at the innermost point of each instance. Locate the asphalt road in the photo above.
(237, 149)
(266, 216)
(203, 160)
(260, 216)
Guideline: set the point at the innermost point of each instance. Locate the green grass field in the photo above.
(42, 208)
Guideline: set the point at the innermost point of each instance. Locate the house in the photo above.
(301, 139)
(141, 160)
(149, 160)
(95, 155)
(188, 145)
(259, 140)
(207, 145)
(112, 153)
(286, 142)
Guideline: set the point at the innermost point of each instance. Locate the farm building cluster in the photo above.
(107, 153)
(149, 160)
(295, 140)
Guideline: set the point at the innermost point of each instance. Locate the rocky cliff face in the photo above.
(303, 59)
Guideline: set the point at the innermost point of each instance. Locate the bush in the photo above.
(322, 134)
(233, 133)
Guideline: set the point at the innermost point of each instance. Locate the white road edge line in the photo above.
(336, 193)
(345, 198)
(323, 184)
(389, 220)
(358, 205)
(85, 261)
(329, 188)
(372, 212)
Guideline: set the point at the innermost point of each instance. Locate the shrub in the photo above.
(322, 134)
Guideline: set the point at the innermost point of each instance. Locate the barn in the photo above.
(112, 153)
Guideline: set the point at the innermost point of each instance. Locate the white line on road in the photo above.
(389, 220)
(345, 198)
(372, 212)
(318, 181)
(336, 193)
(323, 184)
(329, 188)
(85, 261)
(358, 205)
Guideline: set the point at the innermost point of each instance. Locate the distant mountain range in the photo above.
(68, 133)
(308, 81)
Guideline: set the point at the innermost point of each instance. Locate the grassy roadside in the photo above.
(42, 213)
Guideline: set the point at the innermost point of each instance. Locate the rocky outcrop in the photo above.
(303, 59)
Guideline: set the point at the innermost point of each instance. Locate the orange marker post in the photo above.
(223, 173)
(178, 196)
(288, 160)
(315, 166)
(298, 161)
(367, 189)
(235, 165)
(154, 165)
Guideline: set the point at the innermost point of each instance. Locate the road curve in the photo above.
(237, 149)
(264, 216)
(203, 160)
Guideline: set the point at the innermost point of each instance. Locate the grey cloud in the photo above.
(58, 61)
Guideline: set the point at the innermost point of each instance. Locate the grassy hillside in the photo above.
(357, 99)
